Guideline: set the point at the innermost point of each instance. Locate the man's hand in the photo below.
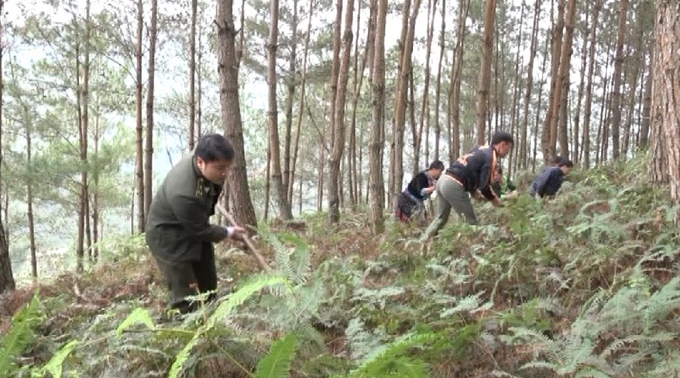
(497, 202)
(431, 189)
(479, 196)
(236, 233)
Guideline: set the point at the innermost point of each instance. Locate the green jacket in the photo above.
(178, 220)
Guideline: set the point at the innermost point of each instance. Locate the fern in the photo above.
(277, 363)
(222, 311)
(388, 358)
(138, 316)
(20, 335)
(468, 304)
(54, 365)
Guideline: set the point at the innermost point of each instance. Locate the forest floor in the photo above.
(583, 285)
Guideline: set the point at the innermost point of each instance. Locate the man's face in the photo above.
(565, 169)
(503, 149)
(436, 174)
(215, 171)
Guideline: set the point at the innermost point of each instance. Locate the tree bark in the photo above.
(192, 75)
(401, 103)
(581, 86)
(547, 143)
(515, 93)
(6, 276)
(589, 87)
(618, 67)
(437, 101)
(29, 193)
(643, 142)
(339, 143)
(290, 85)
(638, 66)
(279, 190)
(454, 91)
(562, 87)
(237, 182)
(425, 108)
(139, 128)
(538, 106)
(524, 146)
(666, 97)
(148, 163)
(301, 103)
(485, 71)
(376, 185)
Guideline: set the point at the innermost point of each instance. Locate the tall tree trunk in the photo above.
(199, 79)
(618, 67)
(267, 184)
(665, 96)
(425, 108)
(456, 80)
(339, 143)
(335, 69)
(584, 62)
(192, 75)
(538, 106)
(647, 106)
(29, 193)
(148, 163)
(358, 81)
(6, 276)
(376, 185)
(547, 136)
(561, 85)
(638, 65)
(485, 71)
(95, 177)
(401, 103)
(239, 192)
(515, 93)
(524, 143)
(442, 45)
(290, 85)
(280, 192)
(301, 102)
(398, 101)
(138, 101)
(589, 87)
(320, 185)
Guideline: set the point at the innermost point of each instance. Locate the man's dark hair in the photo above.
(566, 163)
(437, 164)
(557, 160)
(212, 147)
(502, 136)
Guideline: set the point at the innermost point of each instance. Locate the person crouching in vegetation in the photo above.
(412, 200)
(550, 180)
(178, 231)
(504, 188)
(470, 174)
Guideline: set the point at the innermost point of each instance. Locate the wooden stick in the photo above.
(246, 239)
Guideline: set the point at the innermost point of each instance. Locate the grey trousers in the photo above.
(450, 194)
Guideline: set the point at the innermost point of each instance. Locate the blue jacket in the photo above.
(548, 182)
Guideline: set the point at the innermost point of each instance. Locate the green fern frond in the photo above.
(380, 359)
(541, 365)
(468, 304)
(243, 294)
(662, 303)
(20, 335)
(54, 365)
(591, 373)
(138, 316)
(222, 311)
(277, 363)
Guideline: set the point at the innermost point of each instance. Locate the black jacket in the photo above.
(473, 170)
(418, 183)
(548, 182)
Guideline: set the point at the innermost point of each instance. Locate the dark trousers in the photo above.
(189, 278)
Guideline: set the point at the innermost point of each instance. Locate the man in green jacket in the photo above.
(178, 231)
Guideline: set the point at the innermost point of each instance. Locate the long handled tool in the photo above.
(246, 239)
